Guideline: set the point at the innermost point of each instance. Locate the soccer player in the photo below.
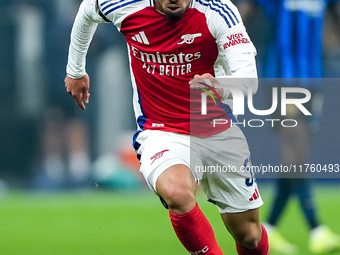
(295, 51)
(176, 47)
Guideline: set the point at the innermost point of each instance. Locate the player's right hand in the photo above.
(79, 89)
(205, 80)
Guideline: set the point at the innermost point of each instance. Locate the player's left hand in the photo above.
(201, 81)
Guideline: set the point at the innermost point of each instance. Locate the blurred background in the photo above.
(45, 140)
(48, 144)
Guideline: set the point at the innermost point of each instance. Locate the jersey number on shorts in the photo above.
(249, 181)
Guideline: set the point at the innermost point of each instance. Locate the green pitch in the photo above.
(110, 223)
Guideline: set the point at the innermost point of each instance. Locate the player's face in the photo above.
(173, 9)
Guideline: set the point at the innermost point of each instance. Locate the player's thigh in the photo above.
(232, 195)
(231, 187)
(160, 151)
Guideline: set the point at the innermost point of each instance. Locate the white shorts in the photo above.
(217, 161)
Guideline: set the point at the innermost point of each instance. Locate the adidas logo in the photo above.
(255, 196)
(141, 37)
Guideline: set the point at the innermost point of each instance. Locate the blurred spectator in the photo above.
(69, 132)
(21, 53)
(65, 155)
(39, 123)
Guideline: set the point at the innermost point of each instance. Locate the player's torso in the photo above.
(170, 49)
(164, 56)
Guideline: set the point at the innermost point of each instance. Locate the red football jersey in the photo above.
(165, 55)
(162, 64)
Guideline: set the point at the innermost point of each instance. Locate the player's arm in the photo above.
(77, 82)
(236, 63)
(242, 73)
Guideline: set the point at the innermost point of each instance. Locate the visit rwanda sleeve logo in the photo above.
(235, 40)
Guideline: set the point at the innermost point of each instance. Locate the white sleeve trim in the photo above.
(242, 67)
